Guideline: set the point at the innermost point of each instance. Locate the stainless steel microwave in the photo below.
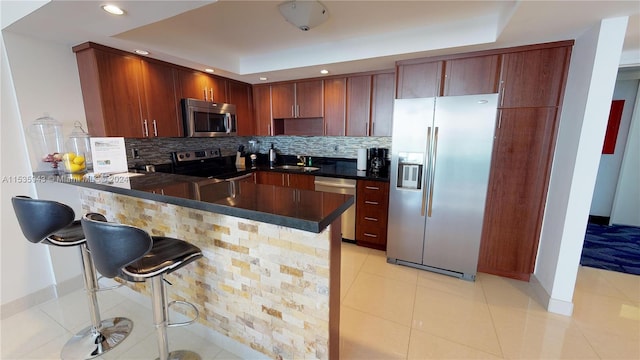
(208, 119)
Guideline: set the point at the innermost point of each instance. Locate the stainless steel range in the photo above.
(206, 163)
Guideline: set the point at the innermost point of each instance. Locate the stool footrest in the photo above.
(183, 323)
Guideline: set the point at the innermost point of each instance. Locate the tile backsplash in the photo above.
(157, 150)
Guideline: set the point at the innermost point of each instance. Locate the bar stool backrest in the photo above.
(40, 218)
(114, 246)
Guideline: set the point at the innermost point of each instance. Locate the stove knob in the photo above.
(187, 155)
(180, 156)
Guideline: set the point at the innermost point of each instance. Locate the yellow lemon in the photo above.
(78, 160)
(68, 156)
(74, 168)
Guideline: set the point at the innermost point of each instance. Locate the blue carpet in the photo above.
(613, 247)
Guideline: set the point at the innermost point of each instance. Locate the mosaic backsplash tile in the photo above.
(157, 150)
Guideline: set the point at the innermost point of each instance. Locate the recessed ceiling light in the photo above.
(112, 9)
(211, 71)
(263, 78)
(324, 71)
(142, 52)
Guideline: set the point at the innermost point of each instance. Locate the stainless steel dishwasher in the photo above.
(341, 186)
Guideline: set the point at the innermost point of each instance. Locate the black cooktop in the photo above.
(207, 163)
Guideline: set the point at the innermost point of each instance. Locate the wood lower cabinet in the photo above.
(518, 182)
(372, 206)
(297, 181)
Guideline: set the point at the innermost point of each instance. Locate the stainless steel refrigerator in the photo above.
(440, 160)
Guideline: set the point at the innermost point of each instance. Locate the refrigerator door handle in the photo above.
(425, 189)
(433, 171)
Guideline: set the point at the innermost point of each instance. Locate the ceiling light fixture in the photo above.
(263, 78)
(112, 9)
(141, 52)
(210, 71)
(304, 14)
(324, 71)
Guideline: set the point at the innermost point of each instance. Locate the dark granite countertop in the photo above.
(299, 209)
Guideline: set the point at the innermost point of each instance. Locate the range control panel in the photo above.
(195, 155)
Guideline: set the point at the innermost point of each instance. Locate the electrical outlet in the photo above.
(135, 153)
(335, 148)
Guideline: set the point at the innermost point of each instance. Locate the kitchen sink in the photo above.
(297, 168)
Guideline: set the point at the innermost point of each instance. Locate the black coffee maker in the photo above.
(378, 160)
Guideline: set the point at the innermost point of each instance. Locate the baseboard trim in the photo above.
(552, 305)
(24, 303)
(68, 286)
(600, 220)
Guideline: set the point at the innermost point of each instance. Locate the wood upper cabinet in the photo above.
(372, 205)
(161, 107)
(520, 169)
(473, 75)
(198, 85)
(335, 105)
(419, 80)
(124, 94)
(302, 99)
(534, 78)
(382, 104)
(240, 96)
(358, 105)
(262, 110)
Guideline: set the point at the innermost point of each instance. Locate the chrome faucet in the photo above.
(302, 160)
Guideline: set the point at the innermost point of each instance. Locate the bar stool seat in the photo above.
(52, 223)
(130, 252)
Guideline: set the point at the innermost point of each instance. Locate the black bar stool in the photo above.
(131, 253)
(52, 223)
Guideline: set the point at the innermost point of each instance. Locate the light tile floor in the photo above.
(391, 312)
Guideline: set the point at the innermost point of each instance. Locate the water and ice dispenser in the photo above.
(410, 169)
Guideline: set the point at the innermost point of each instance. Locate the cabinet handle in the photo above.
(288, 180)
(372, 188)
(269, 129)
(500, 119)
(370, 218)
(205, 94)
(366, 128)
(211, 91)
(293, 111)
(371, 202)
(502, 93)
(297, 110)
(146, 128)
(155, 129)
(370, 235)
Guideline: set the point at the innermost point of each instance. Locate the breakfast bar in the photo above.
(270, 275)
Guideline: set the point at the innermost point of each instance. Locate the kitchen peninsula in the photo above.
(270, 275)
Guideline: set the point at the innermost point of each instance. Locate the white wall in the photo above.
(37, 77)
(626, 205)
(609, 169)
(585, 110)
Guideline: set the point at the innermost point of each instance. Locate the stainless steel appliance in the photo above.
(341, 186)
(208, 119)
(378, 160)
(207, 163)
(441, 154)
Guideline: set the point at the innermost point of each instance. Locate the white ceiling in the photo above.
(247, 39)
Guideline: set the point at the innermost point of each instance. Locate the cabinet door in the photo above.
(309, 99)
(161, 107)
(193, 84)
(419, 80)
(262, 110)
(469, 76)
(283, 101)
(217, 89)
(520, 169)
(382, 104)
(358, 105)
(270, 178)
(240, 96)
(300, 181)
(120, 86)
(534, 78)
(335, 105)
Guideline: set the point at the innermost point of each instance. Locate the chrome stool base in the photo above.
(89, 342)
(182, 355)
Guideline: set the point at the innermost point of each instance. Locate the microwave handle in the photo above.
(227, 122)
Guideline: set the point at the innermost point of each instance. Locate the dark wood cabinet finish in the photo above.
(283, 100)
(198, 85)
(270, 178)
(469, 76)
(534, 78)
(296, 181)
(520, 170)
(419, 80)
(372, 205)
(240, 95)
(161, 107)
(262, 110)
(309, 99)
(335, 105)
(382, 104)
(358, 105)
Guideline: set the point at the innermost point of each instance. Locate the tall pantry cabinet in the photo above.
(530, 81)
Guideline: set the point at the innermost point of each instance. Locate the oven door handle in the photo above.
(241, 177)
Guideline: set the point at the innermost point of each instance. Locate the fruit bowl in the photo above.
(74, 163)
